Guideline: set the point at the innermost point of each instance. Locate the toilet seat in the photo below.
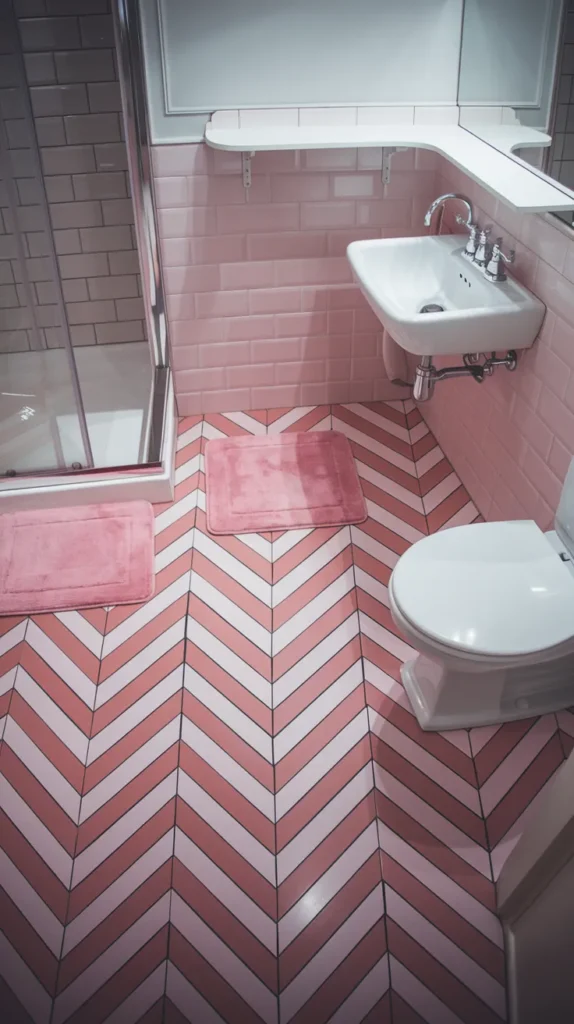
(489, 589)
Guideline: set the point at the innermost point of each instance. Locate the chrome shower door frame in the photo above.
(129, 50)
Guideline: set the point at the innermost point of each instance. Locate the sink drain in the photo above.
(432, 307)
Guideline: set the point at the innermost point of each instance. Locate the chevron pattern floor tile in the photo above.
(217, 806)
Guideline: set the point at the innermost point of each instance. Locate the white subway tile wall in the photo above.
(70, 63)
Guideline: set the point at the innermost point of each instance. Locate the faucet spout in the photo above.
(441, 200)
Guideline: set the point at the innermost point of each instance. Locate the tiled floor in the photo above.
(217, 806)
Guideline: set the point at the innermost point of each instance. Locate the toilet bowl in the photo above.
(490, 609)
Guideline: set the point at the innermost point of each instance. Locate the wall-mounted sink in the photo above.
(400, 276)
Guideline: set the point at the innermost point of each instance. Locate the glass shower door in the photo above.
(42, 422)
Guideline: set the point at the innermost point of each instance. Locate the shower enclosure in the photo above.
(86, 404)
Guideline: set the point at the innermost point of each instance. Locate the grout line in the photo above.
(271, 665)
(78, 823)
(389, 967)
(489, 853)
(374, 789)
(179, 743)
(13, 687)
(559, 731)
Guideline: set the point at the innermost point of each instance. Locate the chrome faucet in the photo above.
(440, 202)
(489, 259)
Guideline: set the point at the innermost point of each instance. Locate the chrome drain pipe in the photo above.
(427, 375)
(423, 386)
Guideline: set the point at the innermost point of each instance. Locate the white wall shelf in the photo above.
(488, 164)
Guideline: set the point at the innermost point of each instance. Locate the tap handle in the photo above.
(495, 267)
(471, 227)
(498, 254)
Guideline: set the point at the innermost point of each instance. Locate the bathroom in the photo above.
(230, 796)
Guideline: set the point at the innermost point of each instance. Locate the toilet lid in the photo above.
(490, 588)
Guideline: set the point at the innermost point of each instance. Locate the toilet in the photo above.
(490, 609)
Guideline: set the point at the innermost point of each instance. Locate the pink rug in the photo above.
(77, 557)
(281, 482)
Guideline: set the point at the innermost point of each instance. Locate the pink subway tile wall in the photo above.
(262, 306)
(511, 439)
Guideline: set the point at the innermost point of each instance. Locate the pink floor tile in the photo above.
(220, 797)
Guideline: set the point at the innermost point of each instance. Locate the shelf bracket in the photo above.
(246, 168)
(388, 153)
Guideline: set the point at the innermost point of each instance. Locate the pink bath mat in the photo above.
(79, 557)
(281, 482)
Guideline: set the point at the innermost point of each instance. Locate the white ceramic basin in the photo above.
(399, 276)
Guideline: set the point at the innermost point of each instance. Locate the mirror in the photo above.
(516, 83)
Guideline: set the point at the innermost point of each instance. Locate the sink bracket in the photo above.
(246, 169)
(388, 152)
